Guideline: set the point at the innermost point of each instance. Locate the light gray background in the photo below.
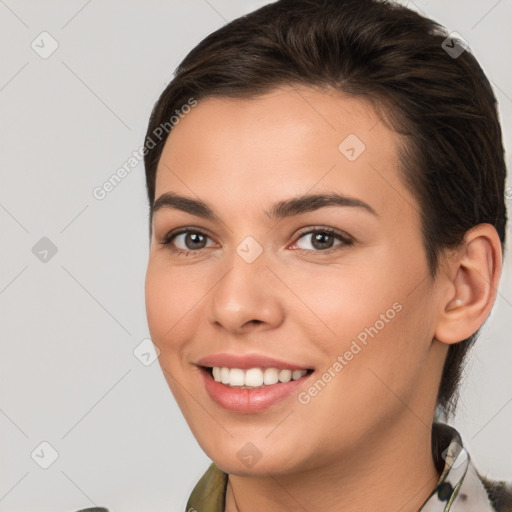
(69, 326)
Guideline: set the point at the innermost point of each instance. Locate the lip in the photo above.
(246, 361)
(246, 401)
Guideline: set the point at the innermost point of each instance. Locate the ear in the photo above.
(472, 278)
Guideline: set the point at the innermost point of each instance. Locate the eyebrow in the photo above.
(280, 210)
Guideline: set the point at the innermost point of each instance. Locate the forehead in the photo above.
(289, 141)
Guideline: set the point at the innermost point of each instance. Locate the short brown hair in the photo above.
(453, 161)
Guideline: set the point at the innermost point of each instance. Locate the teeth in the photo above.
(297, 374)
(255, 377)
(270, 376)
(285, 375)
(236, 377)
(224, 375)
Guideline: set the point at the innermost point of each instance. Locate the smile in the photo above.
(235, 396)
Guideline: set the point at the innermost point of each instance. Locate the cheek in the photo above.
(351, 297)
(376, 316)
(384, 354)
(169, 312)
(170, 297)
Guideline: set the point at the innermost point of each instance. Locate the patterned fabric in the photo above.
(93, 509)
(460, 487)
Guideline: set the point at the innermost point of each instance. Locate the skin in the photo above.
(366, 435)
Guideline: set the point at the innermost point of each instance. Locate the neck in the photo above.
(395, 473)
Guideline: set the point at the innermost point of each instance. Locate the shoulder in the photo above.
(499, 493)
(468, 487)
(209, 492)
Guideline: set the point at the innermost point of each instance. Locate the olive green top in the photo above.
(209, 494)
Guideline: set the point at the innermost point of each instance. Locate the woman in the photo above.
(327, 220)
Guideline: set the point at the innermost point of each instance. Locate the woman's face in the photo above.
(354, 304)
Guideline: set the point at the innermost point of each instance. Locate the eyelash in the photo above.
(347, 241)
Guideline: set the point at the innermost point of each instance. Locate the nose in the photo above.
(247, 297)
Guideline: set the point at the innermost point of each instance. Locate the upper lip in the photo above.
(246, 361)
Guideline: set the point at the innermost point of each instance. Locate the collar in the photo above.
(460, 487)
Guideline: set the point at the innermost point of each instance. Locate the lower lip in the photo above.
(250, 400)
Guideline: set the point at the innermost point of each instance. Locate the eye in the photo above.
(322, 239)
(191, 240)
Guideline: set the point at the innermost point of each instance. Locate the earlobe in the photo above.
(471, 285)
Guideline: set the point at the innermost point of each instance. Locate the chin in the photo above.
(252, 459)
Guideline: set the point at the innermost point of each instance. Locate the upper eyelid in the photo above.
(180, 231)
(345, 238)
